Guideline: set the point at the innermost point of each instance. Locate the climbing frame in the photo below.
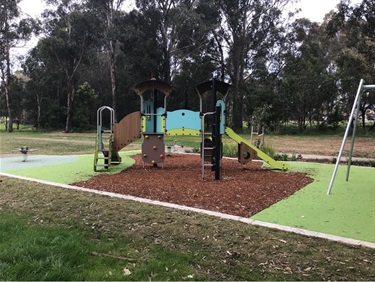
(153, 148)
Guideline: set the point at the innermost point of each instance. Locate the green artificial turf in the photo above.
(80, 170)
(349, 210)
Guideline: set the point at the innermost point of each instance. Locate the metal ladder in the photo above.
(204, 147)
(99, 146)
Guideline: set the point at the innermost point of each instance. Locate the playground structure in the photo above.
(153, 122)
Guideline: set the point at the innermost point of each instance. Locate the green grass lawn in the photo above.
(57, 253)
(48, 233)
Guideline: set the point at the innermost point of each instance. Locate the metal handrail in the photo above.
(99, 116)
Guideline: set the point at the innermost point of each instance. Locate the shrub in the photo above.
(267, 149)
(230, 150)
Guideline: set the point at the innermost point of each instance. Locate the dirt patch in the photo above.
(321, 145)
(242, 190)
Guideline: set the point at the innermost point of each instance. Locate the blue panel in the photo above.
(183, 119)
(148, 107)
(222, 120)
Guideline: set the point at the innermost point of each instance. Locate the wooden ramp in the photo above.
(126, 131)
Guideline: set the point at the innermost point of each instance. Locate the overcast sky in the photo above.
(314, 10)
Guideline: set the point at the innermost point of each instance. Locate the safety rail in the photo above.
(99, 147)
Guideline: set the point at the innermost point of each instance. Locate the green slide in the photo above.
(275, 164)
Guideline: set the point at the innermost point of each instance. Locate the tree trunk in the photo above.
(38, 114)
(167, 66)
(9, 107)
(237, 81)
(237, 110)
(111, 53)
(363, 114)
(8, 91)
(112, 66)
(69, 109)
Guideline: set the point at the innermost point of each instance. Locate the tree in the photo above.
(178, 26)
(84, 112)
(354, 26)
(307, 78)
(12, 31)
(248, 33)
(109, 11)
(71, 34)
(36, 70)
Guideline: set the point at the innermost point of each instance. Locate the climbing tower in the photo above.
(153, 94)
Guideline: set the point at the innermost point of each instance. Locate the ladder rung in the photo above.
(107, 131)
(102, 158)
(101, 165)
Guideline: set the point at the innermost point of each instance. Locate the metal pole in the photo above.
(217, 143)
(345, 136)
(213, 126)
(353, 137)
(364, 87)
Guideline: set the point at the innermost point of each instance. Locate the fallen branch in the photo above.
(112, 256)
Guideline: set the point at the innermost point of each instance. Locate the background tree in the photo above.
(37, 87)
(354, 26)
(281, 71)
(12, 31)
(85, 110)
(109, 11)
(71, 34)
(307, 76)
(247, 30)
(177, 27)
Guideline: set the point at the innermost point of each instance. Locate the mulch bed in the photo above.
(242, 190)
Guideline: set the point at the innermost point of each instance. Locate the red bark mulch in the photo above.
(242, 190)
